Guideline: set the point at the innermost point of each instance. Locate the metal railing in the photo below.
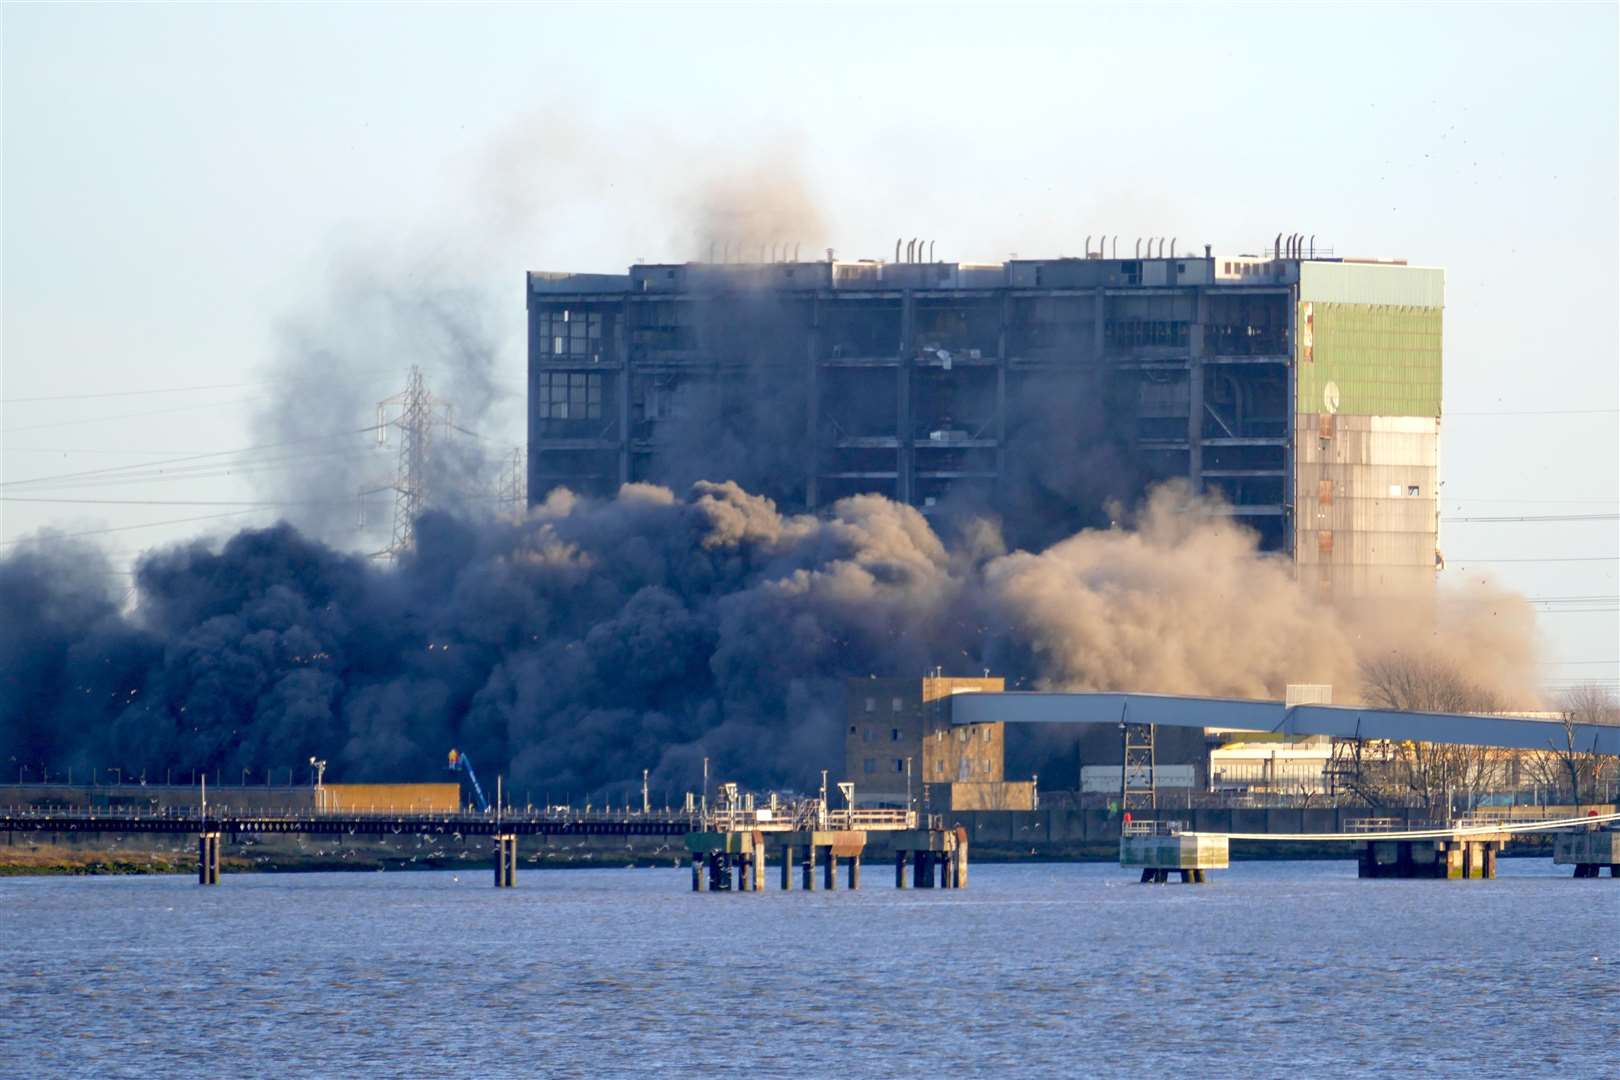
(1152, 828)
(807, 816)
(1374, 824)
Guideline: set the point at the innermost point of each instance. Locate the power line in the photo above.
(1568, 558)
(1460, 500)
(1531, 517)
(1536, 412)
(116, 469)
(172, 502)
(127, 528)
(130, 416)
(126, 393)
(190, 389)
(201, 471)
(125, 450)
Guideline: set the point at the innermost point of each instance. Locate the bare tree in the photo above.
(1434, 772)
(1581, 766)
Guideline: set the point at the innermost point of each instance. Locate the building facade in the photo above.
(1303, 391)
(901, 749)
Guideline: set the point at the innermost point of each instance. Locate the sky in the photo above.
(188, 193)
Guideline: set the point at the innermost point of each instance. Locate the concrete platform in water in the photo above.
(1161, 848)
(1589, 852)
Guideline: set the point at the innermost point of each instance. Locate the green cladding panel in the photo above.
(1380, 360)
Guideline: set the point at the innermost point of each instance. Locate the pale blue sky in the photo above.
(179, 181)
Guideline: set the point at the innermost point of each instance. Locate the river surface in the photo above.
(1042, 970)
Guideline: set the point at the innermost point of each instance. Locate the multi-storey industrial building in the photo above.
(1303, 390)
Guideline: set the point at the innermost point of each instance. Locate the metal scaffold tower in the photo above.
(1138, 787)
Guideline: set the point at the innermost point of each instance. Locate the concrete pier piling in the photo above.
(938, 858)
(1457, 858)
(716, 854)
(1589, 852)
(208, 858)
(506, 860)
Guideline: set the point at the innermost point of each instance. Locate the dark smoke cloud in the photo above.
(594, 638)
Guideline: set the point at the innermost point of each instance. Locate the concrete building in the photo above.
(1304, 389)
(900, 744)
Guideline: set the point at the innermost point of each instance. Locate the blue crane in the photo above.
(462, 763)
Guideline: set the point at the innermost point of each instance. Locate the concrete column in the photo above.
(943, 859)
(1099, 326)
(1403, 859)
(810, 868)
(1195, 392)
(854, 872)
(1453, 860)
(923, 869)
(700, 880)
(1195, 424)
(757, 861)
(908, 345)
(208, 859)
(813, 406)
(787, 868)
(829, 870)
(961, 861)
(621, 399)
(505, 861)
(899, 869)
(740, 866)
(1490, 860)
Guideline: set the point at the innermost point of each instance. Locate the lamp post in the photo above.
(320, 791)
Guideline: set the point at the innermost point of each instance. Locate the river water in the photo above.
(1292, 969)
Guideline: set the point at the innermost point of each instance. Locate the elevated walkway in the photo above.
(1339, 721)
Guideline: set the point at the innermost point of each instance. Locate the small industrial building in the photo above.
(1302, 388)
(901, 749)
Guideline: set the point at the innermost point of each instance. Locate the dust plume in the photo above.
(597, 637)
